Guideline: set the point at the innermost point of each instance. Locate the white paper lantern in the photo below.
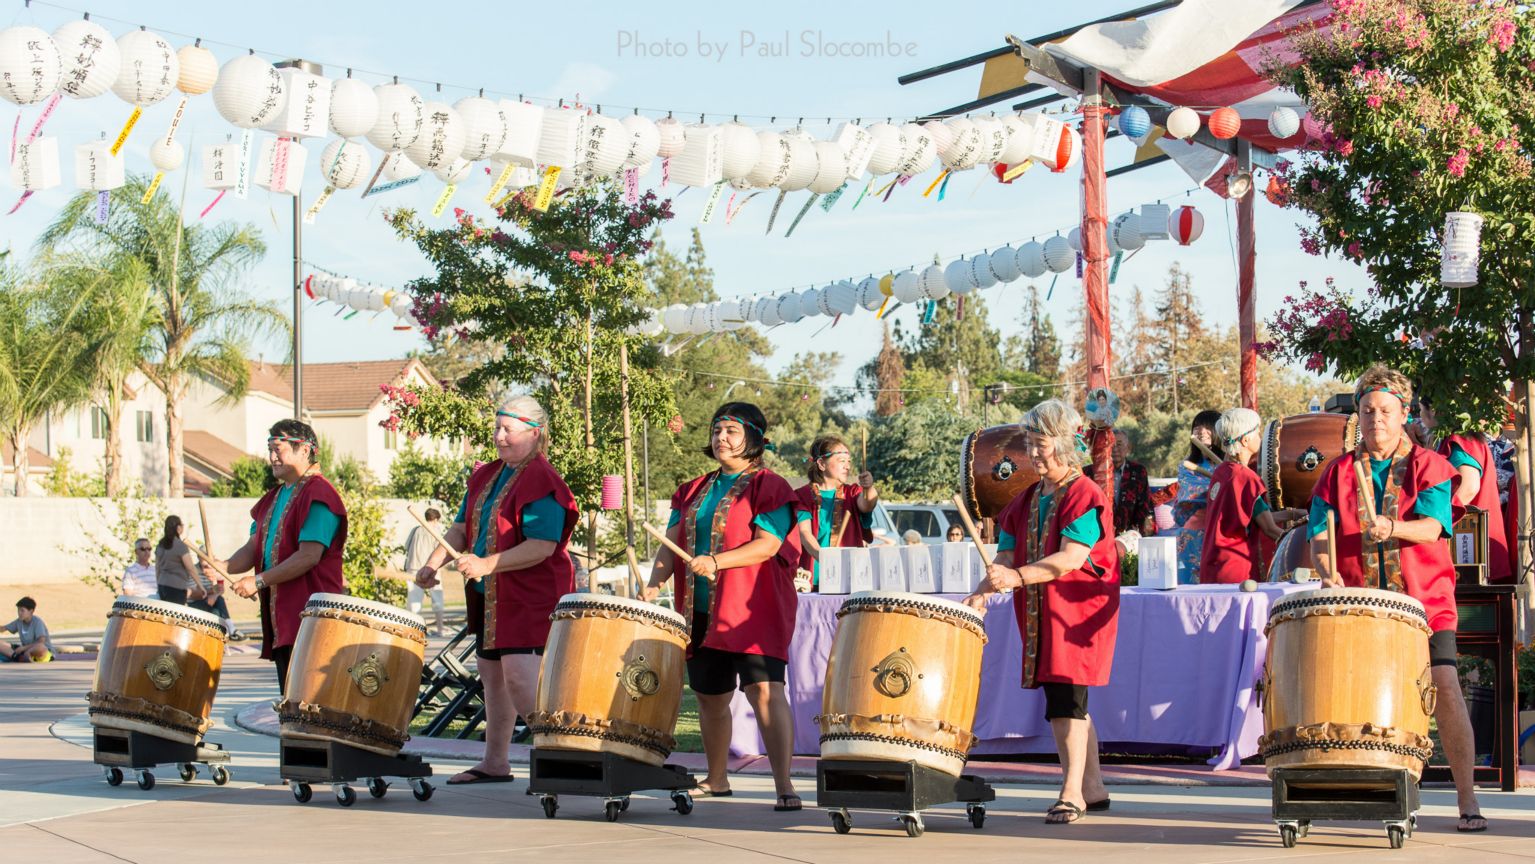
(248, 92)
(739, 150)
(353, 108)
(36, 166)
(166, 154)
(993, 137)
(1185, 225)
(1020, 138)
(644, 140)
(402, 305)
(605, 148)
(809, 301)
(1183, 123)
(1031, 259)
(91, 59)
(921, 150)
(30, 65)
(889, 143)
(980, 270)
(907, 286)
(831, 168)
(305, 113)
(701, 161)
(1074, 239)
(1460, 255)
(1126, 232)
(397, 168)
(751, 311)
(804, 162)
(823, 302)
(524, 125)
(842, 298)
(456, 171)
(1004, 264)
(96, 169)
(373, 300)
(149, 68)
(1283, 122)
(484, 127)
(441, 140)
(345, 164)
(963, 150)
(1154, 221)
(697, 318)
(674, 317)
(672, 138)
(868, 294)
(773, 161)
(401, 114)
(283, 176)
(857, 147)
(941, 133)
(787, 308)
(199, 70)
(956, 277)
(934, 287)
(221, 166)
(559, 141)
(767, 312)
(1058, 255)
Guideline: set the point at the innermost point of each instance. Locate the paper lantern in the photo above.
(353, 108)
(345, 164)
(221, 166)
(672, 138)
(991, 137)
(1031, 259)
(441, 139)
(199, 70)
(166, 154)
(248, 92)
(149, 68)
(1074, 239)
(673, 317)
(1126, 232)
(888, 143)
(921, 150)
(605, 147)
(697, 318)
(701, 161)
(91, 59)
(809, 301)
(964, 148)
(804, 162)
(524, 126)
(484, 127)
(397, 168)
(887, 285)
(1054, 144)
(868, 294)
(1460, 256)
(767, 312)
(739, 150)
(1225, 123)
(1058, 255)
(1185, 225)
(933, 285)
(96, 169)
(726, 315)
(842, 297)
(36, 166)
(857, 147)
(559, 141)
(402, 306)
(644, 140)
(30, 65)
(941, 133)
(1283, 122)
(305, 113)
(823, 302)
(1183, 123)
(1154, 221)
(773, 161)
(980, 270)
(1108, 239)
(956, 277)
(401, 114)
(1020, 139)
(1004, 264)
(906, 287)
(788, 308)
(831, 168)
(280, 166)
(1134, 122)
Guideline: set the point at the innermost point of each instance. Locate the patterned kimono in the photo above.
(1189, 515)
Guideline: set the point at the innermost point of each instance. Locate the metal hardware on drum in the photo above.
(1306, 795)
(906, 788)
(138, 752)
(302, 762)
(605, 775)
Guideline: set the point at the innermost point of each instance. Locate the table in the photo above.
(1184, 667)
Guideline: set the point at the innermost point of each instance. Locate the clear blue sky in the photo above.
(594, 50)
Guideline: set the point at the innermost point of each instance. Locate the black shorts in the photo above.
(498, 653)
(1065, 700)
(1442, 650)
(712, 672)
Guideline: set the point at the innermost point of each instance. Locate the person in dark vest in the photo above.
(833, 509)
(515, 523)
(298, 533)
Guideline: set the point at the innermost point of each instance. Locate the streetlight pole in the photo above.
(298, 267)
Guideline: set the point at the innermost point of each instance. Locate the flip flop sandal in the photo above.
(788, 804)
(478, 776)
(1072, 811)
(1466, 817)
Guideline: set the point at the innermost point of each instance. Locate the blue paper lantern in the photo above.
(1134, 122)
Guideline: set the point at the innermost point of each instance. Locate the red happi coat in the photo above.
(1426, 570)
(283, 605)
(1068, 624)
(751, 609)
(853, 533)
(1231, 552)
(518, 603)
(1499, 563)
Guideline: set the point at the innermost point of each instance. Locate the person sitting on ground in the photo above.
(34, 645)
(139, 577)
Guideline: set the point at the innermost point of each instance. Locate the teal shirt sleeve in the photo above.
(1434, 503)
(776, 522)
(320, 526)
(801, 515)
(1317, 522)
(1260, 506)
(1459, 458)
(1005, 541)
(1084, 529)
(543, 519)
(675, 519)
(463, 512)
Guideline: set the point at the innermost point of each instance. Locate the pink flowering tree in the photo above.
(1422, 107)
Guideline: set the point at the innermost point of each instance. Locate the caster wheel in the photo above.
(1287, 836)
(1303, 829)
(114, 776)
(220, 775)
(682, 802)
(302, 793)
(188, 772)
(913, 826)
(977, 815)
(1397, 835)
(146, 781)
(841, 822)
(377, 787)
(611, 810)
(422, 790)
(551, 806)
(345, 796)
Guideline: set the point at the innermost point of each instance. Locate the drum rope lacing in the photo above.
(1289, 605)
(140, 611)
(890, 739)
(288, 712)
(601, 735)
(660, 618)
(366, 612)
(1326, 744)
(964, 617)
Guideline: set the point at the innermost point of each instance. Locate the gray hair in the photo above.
(1059, 421)
(1236, 424)
(527, 406)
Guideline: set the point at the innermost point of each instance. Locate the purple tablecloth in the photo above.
(1184, 668)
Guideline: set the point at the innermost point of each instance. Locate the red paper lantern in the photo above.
(1185, 225)
(1225, 123)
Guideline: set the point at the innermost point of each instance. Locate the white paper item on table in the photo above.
(1465, 548)
(920, 572)
(833, 571)
(1157, 563)
(889, 568)
(860, 569)
(957, 576)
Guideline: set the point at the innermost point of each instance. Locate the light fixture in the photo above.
(1239, 185)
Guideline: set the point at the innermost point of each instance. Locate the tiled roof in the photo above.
(211, 450)
(334, 386)
(35, 458)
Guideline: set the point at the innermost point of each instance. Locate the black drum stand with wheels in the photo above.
(116, 750)
(903, 787)
(1306, 795)
(552, 773)
(303, 762)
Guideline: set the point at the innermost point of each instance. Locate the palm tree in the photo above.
(203, 325)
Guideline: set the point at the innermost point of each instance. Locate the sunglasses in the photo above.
(142, 549)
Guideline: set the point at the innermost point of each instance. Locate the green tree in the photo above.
(64, 481)
(915, 452)
(128, 516)
(367, 550)
(1041, 348)
(250, 477)
(885, 376)
(203, 324)
(419, 476)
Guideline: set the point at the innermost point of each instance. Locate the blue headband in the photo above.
(534, 423)
(767, 443)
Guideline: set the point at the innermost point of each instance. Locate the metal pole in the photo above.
(645, 441)
(298, 267)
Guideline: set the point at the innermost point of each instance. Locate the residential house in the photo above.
(82, 432)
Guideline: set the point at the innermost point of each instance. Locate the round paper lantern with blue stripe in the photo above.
(1134, 122)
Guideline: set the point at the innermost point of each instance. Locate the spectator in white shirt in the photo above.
(419, 546)
(139, 577)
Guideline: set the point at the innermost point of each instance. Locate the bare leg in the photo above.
(1459, 745)
(1093, 789)
(1071, 739)
(776, 723)
(500, 716)
(714, 724)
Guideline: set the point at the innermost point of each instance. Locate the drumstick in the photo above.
(1332, 546)
(436, 535)
(1197, 469)
(666, 541)
(863, 464)
(202, 513)
(975, 536)
(1203, 448)
(209, 562)
(1366, 489)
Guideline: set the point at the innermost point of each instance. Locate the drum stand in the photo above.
(608, 776)
(116, 749)
(904, 787)
(1304, 795)
(302, 762)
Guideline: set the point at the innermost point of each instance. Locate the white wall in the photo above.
(143, 462)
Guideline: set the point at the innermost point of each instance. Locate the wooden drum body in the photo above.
(1293, 553)
(354, 675)
(1295, 449)
(611, 679)
(1347, 682)
(993, 468)
(902, 680)
(158, 670)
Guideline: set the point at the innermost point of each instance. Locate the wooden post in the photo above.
(1095, 274)
(1247, 263)
(591, 444)
(623, 395)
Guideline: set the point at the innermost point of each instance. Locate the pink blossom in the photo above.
(1310, 244)
(1354, 251)
(1372, 100)
(1345, 149)
(1502, 34)
(1458, 162)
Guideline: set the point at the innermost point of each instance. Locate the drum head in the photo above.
(902, 598)
(358, 604)
(598, 601)
(1345, 597)
(173, 610)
